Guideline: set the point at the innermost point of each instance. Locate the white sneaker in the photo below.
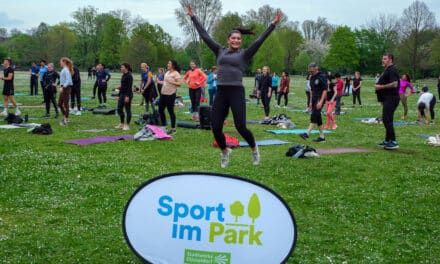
(72, 111)
(78, 113)
(17, 112)
(120, 126)
(125, 127)
(256, 156)
(225, 158)
(5, 113)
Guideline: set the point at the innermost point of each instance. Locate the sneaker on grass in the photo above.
(319, 140)
(17, 112)
(391, 145)
(383, 143)
(304, 136)
(225, 158)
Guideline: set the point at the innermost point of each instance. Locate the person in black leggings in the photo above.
(76, 92)
(231, 63)
(125, 97)
(168, 95)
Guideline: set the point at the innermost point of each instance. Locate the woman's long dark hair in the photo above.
(242, 31)
(176, 66)
(127, 66)
(407, 77)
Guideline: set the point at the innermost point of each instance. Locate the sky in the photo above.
(27, 14)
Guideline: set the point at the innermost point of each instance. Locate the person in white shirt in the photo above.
(426, 103)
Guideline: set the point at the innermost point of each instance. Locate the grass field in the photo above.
(62, 203)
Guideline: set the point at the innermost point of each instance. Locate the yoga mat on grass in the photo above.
(21, 94)
(86, 98)
(97, 140)
(12, 126)
(10, 105)
(343, 150)
(267, 142)
(295, 131)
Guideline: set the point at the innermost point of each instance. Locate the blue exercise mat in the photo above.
(267, 142)
(86, 98)
(403, 123)
(362, 118)
(10, 105)
(295, 131)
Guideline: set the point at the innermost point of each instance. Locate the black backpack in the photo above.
(13, 119)
(44, 129)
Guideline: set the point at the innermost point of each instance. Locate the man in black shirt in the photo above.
(318, 94)
(8, 88)
(387, 89)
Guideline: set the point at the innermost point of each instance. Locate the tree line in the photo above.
(116, 36)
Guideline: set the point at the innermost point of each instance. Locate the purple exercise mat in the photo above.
(343, 150)
(100, 139)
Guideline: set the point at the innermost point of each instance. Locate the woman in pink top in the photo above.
(405, 82)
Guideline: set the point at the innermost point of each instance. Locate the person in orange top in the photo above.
(195, 78)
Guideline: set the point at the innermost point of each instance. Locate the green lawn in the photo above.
(62, 203)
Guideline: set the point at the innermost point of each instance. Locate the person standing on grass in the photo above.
(318, 93)
(330, 104)
(339, 85)
(125, 97)
(257, 92)
(195, 78)
(405, 82)
(76, 92)
(148, 89)
(159, 79)
(266, 91)
(8, 88)
(42, 72)
(50, 89)
(438, 86)
(426, 103)
(284, 89)
(232, 61)
(34, 70)
(212, 81)
(356, 90)
(66, 88)
(102, 78)
(347, 85)
(308, 89)
(168, 95)
(387, 89)
(275, 80)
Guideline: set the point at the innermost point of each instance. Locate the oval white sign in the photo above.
(202, 218)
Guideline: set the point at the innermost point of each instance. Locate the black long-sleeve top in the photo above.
(126, 85)
(50, 78)
(231, 63)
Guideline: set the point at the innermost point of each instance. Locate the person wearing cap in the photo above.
(8, 88)
(318, 94)
(426, 103)
(387, 90)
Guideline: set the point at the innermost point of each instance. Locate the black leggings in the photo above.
(308, 98)
(122, 104)
(167, 101)
(286, 98)
(357, 94)
(194, 95)
(230, 97)
(49, 97)
(431, 108)
(390, 104)
(149, 99)
(102, 94)
(95, 85)
(75, 94)
(266, 102)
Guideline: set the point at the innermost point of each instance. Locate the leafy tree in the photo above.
(20, 47)
(435, 55)
(237, 209)
(224, 26)
(343, 53)
(113, 36)
(387, 27)
(290, 39)
(60, 42)
(319, 30)
(254, 207)
(85, 27)
(3, 53)
(371, 46)
(208, 12)
(302, 62)
(417, 25)
(139, 49)
(270, 53)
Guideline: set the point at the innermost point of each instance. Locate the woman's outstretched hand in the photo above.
(277, 18)
(189, 10)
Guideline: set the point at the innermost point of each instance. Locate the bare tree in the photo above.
(207, 12)
(416, 24)
(319, 30)
(387, 26)
(264, 16)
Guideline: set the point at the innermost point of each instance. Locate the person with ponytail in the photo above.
(232, 61)
(66, 88)
(168, 95)
(125, 97)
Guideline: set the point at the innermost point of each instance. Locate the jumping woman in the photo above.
(231, 63)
